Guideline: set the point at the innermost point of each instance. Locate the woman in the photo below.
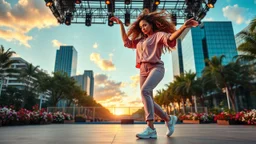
(151, 35)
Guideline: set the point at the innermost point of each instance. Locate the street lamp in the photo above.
(225, 90)
(74, 107)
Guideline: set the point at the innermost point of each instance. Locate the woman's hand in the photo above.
(190, 23)
(115, 19)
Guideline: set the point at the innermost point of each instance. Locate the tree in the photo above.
(227, 77)
(253, 25)
(57, 87)
(185, 86)
(11, 96)
(248, 48)
(28, 76)
(5, 65)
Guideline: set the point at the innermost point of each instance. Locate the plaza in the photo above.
(125, 134)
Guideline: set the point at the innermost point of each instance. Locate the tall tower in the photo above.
(89, 73)
(203, 42)
(66, 60)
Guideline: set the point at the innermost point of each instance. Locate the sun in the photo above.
(119, 112)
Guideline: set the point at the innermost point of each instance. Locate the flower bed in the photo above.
(8, 116)
(196, 118)
(242, 117)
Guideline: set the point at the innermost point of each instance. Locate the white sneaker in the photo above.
(170, 125)
(147, 133)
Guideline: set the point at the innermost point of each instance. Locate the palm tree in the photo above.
(228, 77)
(248, 48)
(5, 65)
(185, 85)
(28, 76)
(214, 72)
(253, 25)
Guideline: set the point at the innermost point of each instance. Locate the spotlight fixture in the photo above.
(68, 19)
(127, 19)
(157, 2)
(48, 3)
(88, 19)
(78, 1)
(107, 2)
(111, 6)
(110, 22)
(211, 3)
(127, 2)
(189, 15)
(174, 19)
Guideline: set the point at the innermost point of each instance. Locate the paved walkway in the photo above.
(125, 134)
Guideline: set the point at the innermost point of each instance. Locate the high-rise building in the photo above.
(86, 81)
(203, 42)
(89, 73)
(14, 81)
(66, 60)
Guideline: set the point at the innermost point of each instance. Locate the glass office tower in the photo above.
(203, 42)
(66, 60)
(86, 81)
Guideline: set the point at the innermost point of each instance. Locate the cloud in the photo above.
(95, 45)
(25, 15)
(135, 81)
(208, 19)
(11, 35)
(105, 65)
(106, 89)
(15, 55)
(57, 43)
(235, 13)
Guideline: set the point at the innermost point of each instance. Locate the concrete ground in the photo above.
(125, 134)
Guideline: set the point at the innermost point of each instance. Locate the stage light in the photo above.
(111, 6)
(201, 15)
(110, 22)
(211, 3)
(174, 19)
(88, 19)
(157, 2)
(48, 3)
(147, 4)
(107, 2)
(78, 1)
(189, 15)
(127, 2)
(68, 19)
(127, 19)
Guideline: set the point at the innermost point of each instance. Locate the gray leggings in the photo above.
(150, 76)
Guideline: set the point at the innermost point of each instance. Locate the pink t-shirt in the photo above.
(150, 49)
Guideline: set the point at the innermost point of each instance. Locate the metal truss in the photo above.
(100, 11)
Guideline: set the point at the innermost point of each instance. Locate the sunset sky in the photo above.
(30, 29)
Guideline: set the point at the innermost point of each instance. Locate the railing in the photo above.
(113, 114)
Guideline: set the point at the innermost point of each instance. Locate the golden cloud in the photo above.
(57, 43)
(24, 16)
(105, 65)
(135, 81)
(106, 89)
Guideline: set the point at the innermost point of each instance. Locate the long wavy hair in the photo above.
(158, 20)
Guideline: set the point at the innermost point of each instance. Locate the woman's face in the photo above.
(145, 27)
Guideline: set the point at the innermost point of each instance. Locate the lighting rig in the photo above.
(90, 12)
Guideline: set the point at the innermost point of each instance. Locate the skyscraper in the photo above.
(86, 81)
(205, 41)
(89, 73)
(66, 60)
